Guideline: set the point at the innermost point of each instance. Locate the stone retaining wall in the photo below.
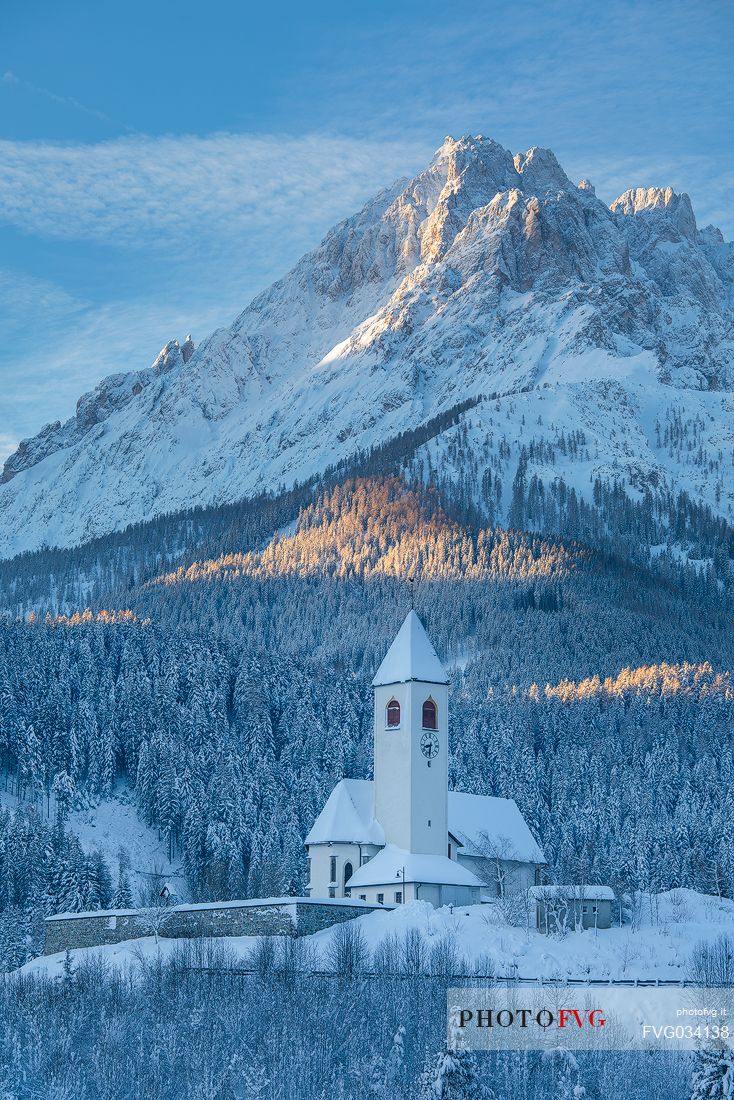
(270, 917)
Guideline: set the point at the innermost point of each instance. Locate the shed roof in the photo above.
(572, 892)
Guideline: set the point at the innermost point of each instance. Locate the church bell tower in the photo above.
(411, 725)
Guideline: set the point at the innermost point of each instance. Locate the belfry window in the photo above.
(393, 714)
(430, 715)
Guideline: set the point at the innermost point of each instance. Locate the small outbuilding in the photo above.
(567, 908)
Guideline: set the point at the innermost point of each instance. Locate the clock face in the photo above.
(429, 745)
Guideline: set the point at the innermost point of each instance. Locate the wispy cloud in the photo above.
(196, 226)
(136, 191)
(63, 100)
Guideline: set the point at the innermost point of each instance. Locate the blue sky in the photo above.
(161, 162)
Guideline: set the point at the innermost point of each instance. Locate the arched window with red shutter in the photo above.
(392, 714)
(430, 715)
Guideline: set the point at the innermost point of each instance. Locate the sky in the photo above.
(162, 162)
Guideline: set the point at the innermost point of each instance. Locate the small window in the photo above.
(380, 899)
(430, 715)
(399, 897)
(363, 897)
(393, 714)
(584, 909)
(332, 891)
(595, 909)
(365, 858)
(332, 869)
(347, 872)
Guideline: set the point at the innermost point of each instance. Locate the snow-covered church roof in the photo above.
(411, 657)
(393, 866)
(482, 825)
(348, 816)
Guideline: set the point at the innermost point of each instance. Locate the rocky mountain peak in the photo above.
(486, 273)
(540, 172)
(187, 348)
(642, 201)
(171, 355)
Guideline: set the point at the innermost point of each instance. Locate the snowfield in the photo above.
(635, 430)
(657, 948)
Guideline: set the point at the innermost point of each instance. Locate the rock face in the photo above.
(486, 273)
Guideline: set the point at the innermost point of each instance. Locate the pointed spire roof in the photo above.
(411, 657)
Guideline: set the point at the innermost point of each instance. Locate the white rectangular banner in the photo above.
(590, 1017)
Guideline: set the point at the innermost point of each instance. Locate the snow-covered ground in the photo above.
(657, 947)
(114, 826)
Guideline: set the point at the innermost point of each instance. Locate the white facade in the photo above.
(405, 836)
(332, 865)
(411, 788)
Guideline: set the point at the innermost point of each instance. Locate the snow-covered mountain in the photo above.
(486, 274)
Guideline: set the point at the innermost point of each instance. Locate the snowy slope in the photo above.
(635, 428)
(114, 828)
(486, 273)
(659, 947)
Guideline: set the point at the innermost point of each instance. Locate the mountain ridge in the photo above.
(486, 271)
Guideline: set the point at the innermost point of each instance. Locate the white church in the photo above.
(404, 836)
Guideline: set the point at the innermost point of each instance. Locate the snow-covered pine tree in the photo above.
(453, 1075)
(713, 1074)
(564, 1073)
(123, 895)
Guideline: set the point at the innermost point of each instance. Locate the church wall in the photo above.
(290, 917)
(428, 892)
(429, 784)
(371, 894)
(423, 891)
(321, 856)
(392, 752)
